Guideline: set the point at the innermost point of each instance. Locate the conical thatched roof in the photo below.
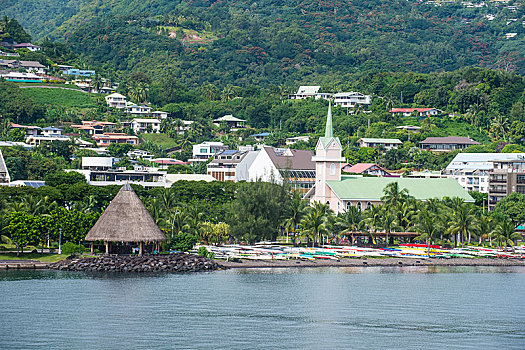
(125, 219)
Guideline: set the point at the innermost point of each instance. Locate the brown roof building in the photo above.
(447, 144)
(126, 219)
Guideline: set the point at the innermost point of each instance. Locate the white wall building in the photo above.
(471, 170)
(140, 125)
(116, 100)
(351, 99)
(374, 143)
(204, 151)
(305, 92)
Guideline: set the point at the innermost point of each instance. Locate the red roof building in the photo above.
(420, 112)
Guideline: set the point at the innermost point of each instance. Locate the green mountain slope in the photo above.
(277, 42)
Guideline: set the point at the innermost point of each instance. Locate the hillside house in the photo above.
(305, 92)
(116, 100)
(140, 125)
(446, 144)
(204, 151)
(387, 144)
(351, 99)
(419, 112)
(108, 138)
(232, 122)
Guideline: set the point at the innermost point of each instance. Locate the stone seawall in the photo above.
(156, 263)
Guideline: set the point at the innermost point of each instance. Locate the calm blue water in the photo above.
(318, 308)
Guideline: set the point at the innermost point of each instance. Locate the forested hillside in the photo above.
(278, 42)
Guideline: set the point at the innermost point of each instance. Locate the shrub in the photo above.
(72, 248)
(202, 251)
(183, 242)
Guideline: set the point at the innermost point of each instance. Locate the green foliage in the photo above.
(202, 251)
(183, 242)
(119, 150)
(18, 107)
(72, 248)
(64, 178)
(257, 211)
(513, 207)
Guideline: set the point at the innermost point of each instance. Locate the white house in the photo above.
(293, 140)
(51, 131)
(18, 77)
(97, 163)
(421, 112)
(37, 140)
(140, 125)
(351, 99)
(138, 110)
(116, 100)
(159, 114)
(204, 151)
(305, 92)
(388, 144)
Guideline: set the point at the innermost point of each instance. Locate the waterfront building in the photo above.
(507, 176)
(125, 219)
(472, 170)
(340, 192)
(223, 167)
(278, 165)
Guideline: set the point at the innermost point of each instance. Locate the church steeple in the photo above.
(329, 133)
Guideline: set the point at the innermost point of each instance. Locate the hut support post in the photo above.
(141, 248)
(107, 248)
(92, 247)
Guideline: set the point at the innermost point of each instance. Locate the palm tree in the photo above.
(404, 214)
(394, 196)
(313, 223)
(209, 91)
(348, 222)
(484, 227)
(168, 199)
(96, 84)
(177, 222)
(373, 219)
(462, 223)
(194, 219)
(505, 232)
(296, 211)
(428, 227)
(228, 93)
(389, 224)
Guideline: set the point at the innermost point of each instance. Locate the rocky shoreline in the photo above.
(154, 263)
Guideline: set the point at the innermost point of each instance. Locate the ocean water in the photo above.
(295, 308)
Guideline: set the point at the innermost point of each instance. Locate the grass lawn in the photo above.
(162, 140)
(66, 98)
(33, 256)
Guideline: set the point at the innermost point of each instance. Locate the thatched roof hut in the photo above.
(126, 219)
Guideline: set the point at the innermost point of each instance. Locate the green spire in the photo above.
(329, 133)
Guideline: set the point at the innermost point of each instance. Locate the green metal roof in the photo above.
(371, 188)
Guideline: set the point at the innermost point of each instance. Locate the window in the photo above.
(332, 169)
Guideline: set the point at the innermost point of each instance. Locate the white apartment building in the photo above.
(140, 125)
(116, 100)
(351, 99)
(471, 170)
(204, 151)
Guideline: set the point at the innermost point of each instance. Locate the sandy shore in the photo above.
(372, 262)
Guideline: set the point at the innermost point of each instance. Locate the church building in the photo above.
(342, 191)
